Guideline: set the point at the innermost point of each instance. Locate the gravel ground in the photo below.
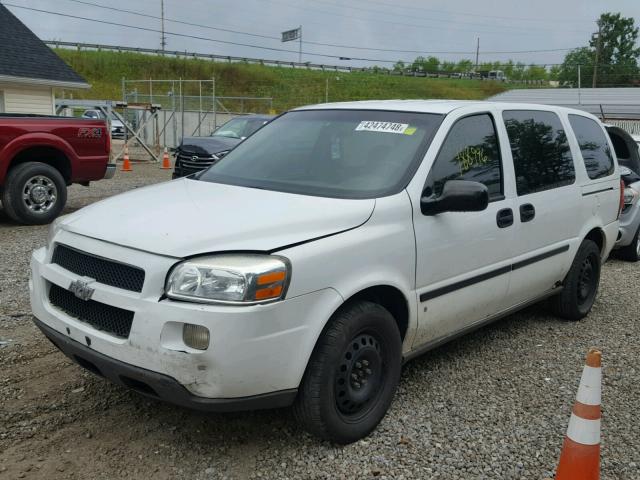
(492, 405)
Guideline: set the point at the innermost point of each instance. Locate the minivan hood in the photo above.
(187, 217)
(208, 145)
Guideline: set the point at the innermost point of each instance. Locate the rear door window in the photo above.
(593, 145)
(470, 152)
(540, 150)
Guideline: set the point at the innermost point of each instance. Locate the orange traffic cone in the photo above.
(126, 164)
(166, 163)
(580, 457)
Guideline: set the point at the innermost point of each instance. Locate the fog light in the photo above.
(195, 336)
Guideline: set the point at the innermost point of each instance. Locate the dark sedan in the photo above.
(197, 153)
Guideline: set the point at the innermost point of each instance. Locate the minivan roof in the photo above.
(432, 106)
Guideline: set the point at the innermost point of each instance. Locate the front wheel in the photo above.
(34, 193)
(352, 375)
(580, 285)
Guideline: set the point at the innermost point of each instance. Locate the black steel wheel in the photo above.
(580, 286)
(358, 379)
(352, 375)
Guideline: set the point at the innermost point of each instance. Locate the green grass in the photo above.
(287, 86)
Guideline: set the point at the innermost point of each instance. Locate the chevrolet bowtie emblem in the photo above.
(81, 289)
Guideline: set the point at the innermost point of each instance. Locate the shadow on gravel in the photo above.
(478, 343)
(207, 428)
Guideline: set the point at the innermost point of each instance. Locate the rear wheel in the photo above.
(580, 285)
(34, 193)
(631, 252)
(352, 375)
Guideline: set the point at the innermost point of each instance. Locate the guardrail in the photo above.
(206, 56)
(282, 63)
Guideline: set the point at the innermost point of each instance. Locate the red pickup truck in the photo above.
(41, 155)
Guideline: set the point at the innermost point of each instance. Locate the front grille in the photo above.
(198, 162)
(101, 269)
(100, 316)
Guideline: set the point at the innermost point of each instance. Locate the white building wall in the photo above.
(27, 99)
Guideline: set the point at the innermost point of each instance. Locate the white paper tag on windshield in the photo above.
(384, 127)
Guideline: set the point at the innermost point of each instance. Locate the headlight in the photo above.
(630, 196)
(54, 227)
(230, 278)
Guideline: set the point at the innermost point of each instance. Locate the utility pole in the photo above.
(163, 38)
(579, 85)
(477, 53)
(300, 51)
(598, 43)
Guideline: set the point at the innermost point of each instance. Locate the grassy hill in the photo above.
(287, 86)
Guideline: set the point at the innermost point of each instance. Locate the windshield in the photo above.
(333, 153)
(239, 127)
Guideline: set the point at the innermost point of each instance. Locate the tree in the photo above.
(399, 66)
(418, 64)
(432, 65)
(568, 75)
(536, 72)
(464, 66)
(618, 55)
(448, 67)
(429, 65)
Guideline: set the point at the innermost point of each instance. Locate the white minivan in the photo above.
(327, 249)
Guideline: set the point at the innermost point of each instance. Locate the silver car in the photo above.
(628, 153)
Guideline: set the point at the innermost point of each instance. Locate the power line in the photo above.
(335, 45)
(390, 22)
(195, 37)
(383, 12)
(477, 15)
(190, 24)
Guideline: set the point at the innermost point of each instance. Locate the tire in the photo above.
(580, 284)
(631, 252)
(352, 375)
(34, 193)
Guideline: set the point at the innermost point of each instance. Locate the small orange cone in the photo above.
(126, 164)
(580, 457)
(166, 163)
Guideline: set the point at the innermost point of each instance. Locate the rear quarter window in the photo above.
(541, 155)
(593, 145)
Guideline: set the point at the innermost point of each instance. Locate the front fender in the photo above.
(380, 252)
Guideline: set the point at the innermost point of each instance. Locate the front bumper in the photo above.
(254, 350)
(182, 171)
(155, 385)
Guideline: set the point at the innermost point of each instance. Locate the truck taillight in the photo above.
(107, 143)
(621, 206)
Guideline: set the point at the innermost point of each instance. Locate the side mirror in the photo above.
(457, 196)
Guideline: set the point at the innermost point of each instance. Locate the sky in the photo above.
(383, 30)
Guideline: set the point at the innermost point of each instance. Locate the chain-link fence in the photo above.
(184, 108)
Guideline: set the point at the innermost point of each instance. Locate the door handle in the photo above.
(527, 212)
(504, 218)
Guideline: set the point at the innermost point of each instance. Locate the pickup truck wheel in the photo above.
(580, 285)
(631, 252)
(34, 193)
(352, 375)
